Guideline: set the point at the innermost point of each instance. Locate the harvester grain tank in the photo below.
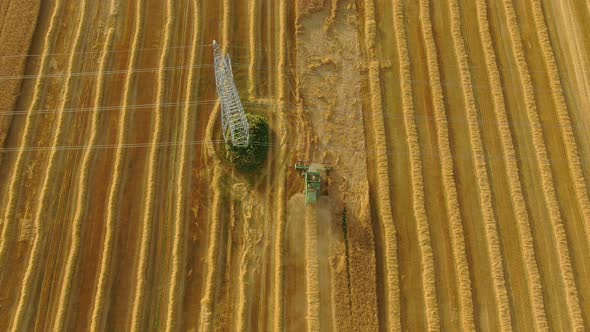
(312, 173)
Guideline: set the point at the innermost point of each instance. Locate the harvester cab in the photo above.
(313, 174)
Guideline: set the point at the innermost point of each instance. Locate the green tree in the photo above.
(250, 157)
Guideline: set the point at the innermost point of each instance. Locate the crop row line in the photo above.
(104, 274)
(146, 224)
(312, 284)
(280, 171)
(428, 278)
(448, 176)
(383, 180)
(563, 117)
(574, 311)
(29, 279)
(20, 158)
(511, 166)
(175, 289)
(82, 193)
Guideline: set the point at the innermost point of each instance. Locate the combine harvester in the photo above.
(312, 173)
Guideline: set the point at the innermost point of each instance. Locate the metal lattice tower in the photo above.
(233, 118)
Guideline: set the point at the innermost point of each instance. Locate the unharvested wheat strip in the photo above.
(415, 165)
(280, 176)
(572, 300)
(40, 213)
(8, 217)
(140, 278)
(312, 283)
(448, 176)
(82, 194)
(253, 20)
(179, 224)
(103, 285)
(479, 162)
(573, 156)
(516, 194)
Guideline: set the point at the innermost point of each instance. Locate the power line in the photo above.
(115, 51)
(122, 71)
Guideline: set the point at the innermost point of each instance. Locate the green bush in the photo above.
(249, 158)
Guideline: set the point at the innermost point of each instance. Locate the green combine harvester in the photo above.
(312, 173)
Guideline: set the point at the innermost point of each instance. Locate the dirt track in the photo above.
(457, 131)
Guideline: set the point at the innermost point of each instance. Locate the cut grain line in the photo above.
(448, 176)
(526, 240)
(9, 218)
(179, 227)
(516, 194)
(571, 148)
(207, 311)
(140, 278)
(82, 194)
(415, 166)
(383, 180)
(572, 300)
(253, 16)
(40, 213)
(103, 285)
(312, 283)
(280, 176)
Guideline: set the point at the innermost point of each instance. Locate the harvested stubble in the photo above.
(448, 176)
(104, 276)
(416, 169)
(312, 284)
(306, 7)
(247, 244)
(48, 180)
(280, 171)
(573, 305)
(572, 153)
(16, 33)
(206, 314)
(509, 157)
(82, 194)
(176, 281)
(146, 226)
(252, 57)
(8, 217)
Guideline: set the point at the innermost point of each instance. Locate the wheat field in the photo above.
(457, 132)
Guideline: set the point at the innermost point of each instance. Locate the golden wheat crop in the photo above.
(448, 177)
(8, 217)
(103, 284)
(574, 311)
(573, 156)
(146, 225)
(280, 172)
(312, 283)
(509, 157)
